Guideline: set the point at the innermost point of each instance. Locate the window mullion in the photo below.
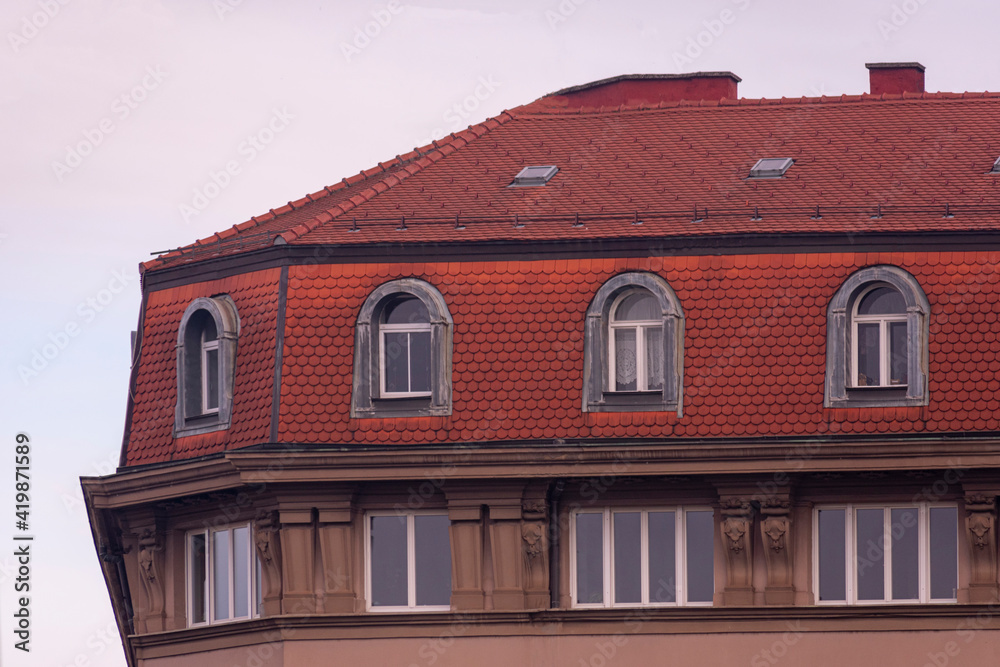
(644, 557)
(851, 558)
(411, 562)
(887, 593)
(680, 557)
(923, 552)
(641, 381)
(608, 565)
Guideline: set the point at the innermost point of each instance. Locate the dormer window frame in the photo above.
(599, 390)
(202, 408)
(368, 396)
(842, 389)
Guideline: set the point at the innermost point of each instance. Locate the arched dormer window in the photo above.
(877, 332)
(633, 346)
(402, 352)
(206, 361)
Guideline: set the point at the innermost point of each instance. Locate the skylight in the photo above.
(534, 175)
(996, 167)
(771, 167)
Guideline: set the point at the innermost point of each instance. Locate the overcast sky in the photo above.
(117, 113)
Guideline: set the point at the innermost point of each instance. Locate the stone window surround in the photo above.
(596, 394)
(838, 392)
(222, 310)
(365, 401)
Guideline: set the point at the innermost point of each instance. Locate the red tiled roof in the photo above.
(151, 437)
(754, 352)
(912, 154)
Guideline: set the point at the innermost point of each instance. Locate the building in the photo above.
(638, 369)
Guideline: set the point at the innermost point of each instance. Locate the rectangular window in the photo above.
(223, 575)
(871, 555)
(642, 557)
(408, 561)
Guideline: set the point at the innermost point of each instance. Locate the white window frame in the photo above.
(885, 352)
(411, 563)
(383, 330)
(253, 576)
(206, 347)
(851, 560)
(641, 358)
(680, 557)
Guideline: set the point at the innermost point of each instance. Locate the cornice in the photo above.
(318, 464)
(570, 622)
(535, 249)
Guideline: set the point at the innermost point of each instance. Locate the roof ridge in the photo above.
(437, 151)
(540, 108)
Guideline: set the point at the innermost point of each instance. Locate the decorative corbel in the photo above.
(736, 527)
(980, 530)
(535, 547)
(775, 530)
(150, 566)
(267, 542)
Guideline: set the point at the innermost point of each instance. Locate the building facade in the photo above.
(639, 371)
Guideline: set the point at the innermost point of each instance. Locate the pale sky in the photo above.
(117, 113)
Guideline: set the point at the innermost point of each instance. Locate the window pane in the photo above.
(882, 301)
(625, 351)
(396, 359)
(868, 356)
(700, 561)
(241, 572)
(589, 558)
(199, 572)
(432, 556)
(420, 361)
(944, 552)
(388, 561)
(207, 324)
(628, 562)
(406, 311)
(662, 569)
(870, 543)
(654, 358)
(832, 555)
(212, 379)
(904, 528)
(638, 306)
(897, 353)
(220, 574)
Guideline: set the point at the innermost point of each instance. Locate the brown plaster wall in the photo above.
(790, 645)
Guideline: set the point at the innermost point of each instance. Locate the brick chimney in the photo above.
(633, 89)
(895, 78)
